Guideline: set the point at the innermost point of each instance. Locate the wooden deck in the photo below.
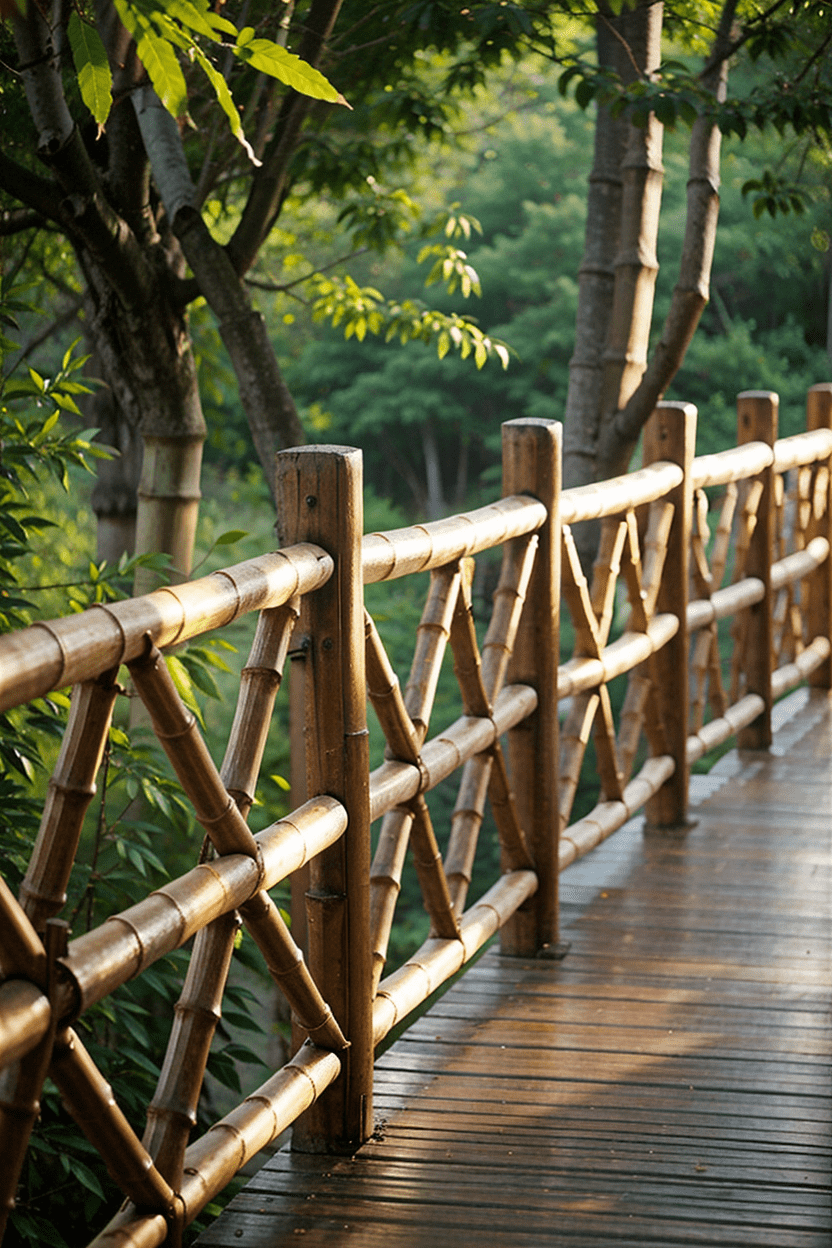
(667, 1084)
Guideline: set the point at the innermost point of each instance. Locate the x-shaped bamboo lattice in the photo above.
(149, 1171)
(404, 718)
(797, 511)
(592, 610)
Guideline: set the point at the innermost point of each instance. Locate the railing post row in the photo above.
(757, 414)
(670, 435)
(819, 416)
(320, 500)
(532, 465)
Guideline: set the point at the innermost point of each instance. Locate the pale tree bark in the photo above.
(620, 431)
(617, 274)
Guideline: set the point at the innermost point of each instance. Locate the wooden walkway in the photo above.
(667, 1084)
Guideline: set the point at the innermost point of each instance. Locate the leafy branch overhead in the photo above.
(167, 30)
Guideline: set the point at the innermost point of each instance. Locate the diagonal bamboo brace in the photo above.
(428, 862)
(71, 789)
(179, 734)
(260, 681)
(289, 971)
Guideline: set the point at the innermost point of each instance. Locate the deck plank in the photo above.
(668, 1084)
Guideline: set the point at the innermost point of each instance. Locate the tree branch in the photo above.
(269, 183)
(16, 220)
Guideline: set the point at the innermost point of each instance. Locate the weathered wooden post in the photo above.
(819, 416)
(532, 465)
(319, 496)
(670, 435)
(757, 412)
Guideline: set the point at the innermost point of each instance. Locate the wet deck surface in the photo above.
(668, 1083)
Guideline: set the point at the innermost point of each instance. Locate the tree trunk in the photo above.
(146, 359)
(433, 472)
(617, 275)
(690, 296)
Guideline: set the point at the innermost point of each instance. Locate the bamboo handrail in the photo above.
(608, 817)
(736, 464)
(791, 675)
(609, 498)
(75, 648)
(110, 955)
(628, 651)
(802, 448)
(802, 563)
(389, 555)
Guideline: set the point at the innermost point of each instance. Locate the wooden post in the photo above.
(819, 610)
(319, 494)
(757, 422)
(532, 465)
(670, 435)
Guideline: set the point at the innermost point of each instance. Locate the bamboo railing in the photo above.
(742, 536)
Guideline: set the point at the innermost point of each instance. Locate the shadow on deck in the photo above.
(668, 1083)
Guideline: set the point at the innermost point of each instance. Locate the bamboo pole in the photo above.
(809, 447)
(509, 600)
(385, 693)
(100, 960)
(387, 556)
(612, 497)
(466, 822)
(757, 421)
(724, 602)
(172, 1113)
(480, 681)
(320, 500)
(437, 960)
(629, 650)
(386, 882)
(531, 463)
(723, 727)
(608, 817)
(54, 653)
(285, 963)
(179, 735)
(428, 863)
(394, 783)
(71, 789)
(21, 1082)
(260, 680)
(670, 434)
(24, 1019)
(727, 467)
(213, 1160)
(807, 662)
(432, 636)
(819, 611)
(89, 1099)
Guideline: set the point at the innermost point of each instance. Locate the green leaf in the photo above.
(232, 535)
(92, 68)
(158, 57)
(226, 102)
(269, 58)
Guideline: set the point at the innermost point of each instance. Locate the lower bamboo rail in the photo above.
(213, 1160)
(437, 960)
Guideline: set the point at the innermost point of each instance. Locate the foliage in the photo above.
(64, 1191)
